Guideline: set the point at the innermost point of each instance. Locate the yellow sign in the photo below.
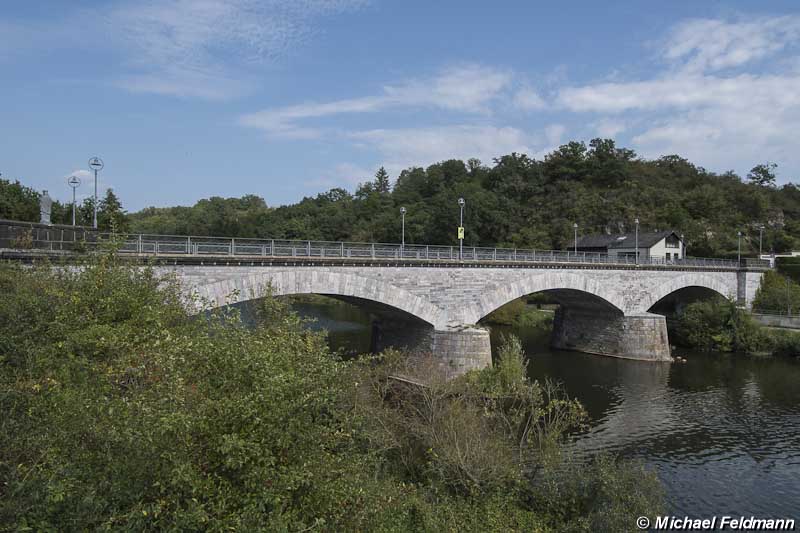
(461, 232)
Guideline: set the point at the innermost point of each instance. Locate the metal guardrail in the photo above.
(178, 245)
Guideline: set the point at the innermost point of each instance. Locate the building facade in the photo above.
(665, 245)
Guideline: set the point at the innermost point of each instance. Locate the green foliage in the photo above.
(604, 495)
(719, 325)
(520, 313)
(784, 343)
(789, 267)
(122, 412)
(777, 294)
(18, 202)
(763, 175)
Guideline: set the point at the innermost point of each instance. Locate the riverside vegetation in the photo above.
(122, 412)
(719, 325)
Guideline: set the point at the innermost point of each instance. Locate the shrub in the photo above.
(718, 325)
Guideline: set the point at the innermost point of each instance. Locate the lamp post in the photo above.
(739, 253)
(636, 221)
(461, 230)
(575, 227)
(74, 182)
(760, 237)
(96, 164)
(403, 230)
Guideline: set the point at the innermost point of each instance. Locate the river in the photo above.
(722, 431)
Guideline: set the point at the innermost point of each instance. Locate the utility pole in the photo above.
(636, 221)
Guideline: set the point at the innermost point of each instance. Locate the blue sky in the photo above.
(186, 99)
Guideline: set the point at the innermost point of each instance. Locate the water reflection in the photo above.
(723, 431)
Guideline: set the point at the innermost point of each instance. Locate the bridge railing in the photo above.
(282, 248)
(24, 236)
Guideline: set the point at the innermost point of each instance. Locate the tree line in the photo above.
(518, 201)
(20, 202)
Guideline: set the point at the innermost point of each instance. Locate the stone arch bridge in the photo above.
(605, 309)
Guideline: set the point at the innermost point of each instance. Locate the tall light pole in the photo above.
(96, 164)
(461, 230)
(760, 238)
(403, 230)
(575, 227)
(636, 221)
(74, 182)
(739, 234)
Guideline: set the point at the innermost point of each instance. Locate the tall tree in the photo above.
(382, 183)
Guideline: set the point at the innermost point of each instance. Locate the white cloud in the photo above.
(467, 88)
(343, 174)
(720, 120)
(529, 100)
(464, 88)
(703, 45)
(608, 128)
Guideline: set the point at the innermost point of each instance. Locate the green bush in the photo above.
(718, 325)
(777, 294)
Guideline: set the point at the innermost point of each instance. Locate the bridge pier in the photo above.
(456, 350)
(640, 336)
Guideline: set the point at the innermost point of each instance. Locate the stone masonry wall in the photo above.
(632, 337)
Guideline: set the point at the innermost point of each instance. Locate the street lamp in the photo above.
(96, 164)
(636, 221)
(461, 230)
(575, 227)
(739, 234)
(760, 237)
(74, 182)
(403, 231)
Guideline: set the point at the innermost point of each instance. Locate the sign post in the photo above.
(96, 164)
(74, 182)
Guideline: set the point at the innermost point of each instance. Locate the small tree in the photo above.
(110, 215)
(763, 175)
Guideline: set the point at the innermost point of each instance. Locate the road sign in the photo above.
(74, 181)
(461, 232)
(96, 163)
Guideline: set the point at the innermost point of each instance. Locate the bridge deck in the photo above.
(29, 256)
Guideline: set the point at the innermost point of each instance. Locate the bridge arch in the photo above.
(694, 279)
(284, 283)
(555, 282)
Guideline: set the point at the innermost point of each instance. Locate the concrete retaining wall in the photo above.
(777, 321)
